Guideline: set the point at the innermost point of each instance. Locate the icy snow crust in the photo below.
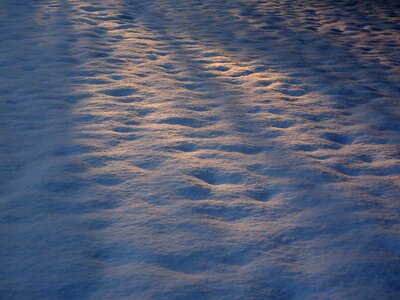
(167, 149)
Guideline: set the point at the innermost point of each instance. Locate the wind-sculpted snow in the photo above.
(165, 149)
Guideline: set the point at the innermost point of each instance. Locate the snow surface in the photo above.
(199, 149)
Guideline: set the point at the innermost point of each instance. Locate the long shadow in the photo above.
(44, 240)
(241, 40)
(254, 45)
(255, 39)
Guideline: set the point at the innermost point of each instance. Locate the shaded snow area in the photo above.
(199, 149)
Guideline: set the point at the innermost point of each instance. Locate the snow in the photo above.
(165, 149)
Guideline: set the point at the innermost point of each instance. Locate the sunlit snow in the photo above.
(199, 149)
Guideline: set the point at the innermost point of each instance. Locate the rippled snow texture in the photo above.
(199, 149)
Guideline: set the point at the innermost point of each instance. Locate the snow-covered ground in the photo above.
(199, 149)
